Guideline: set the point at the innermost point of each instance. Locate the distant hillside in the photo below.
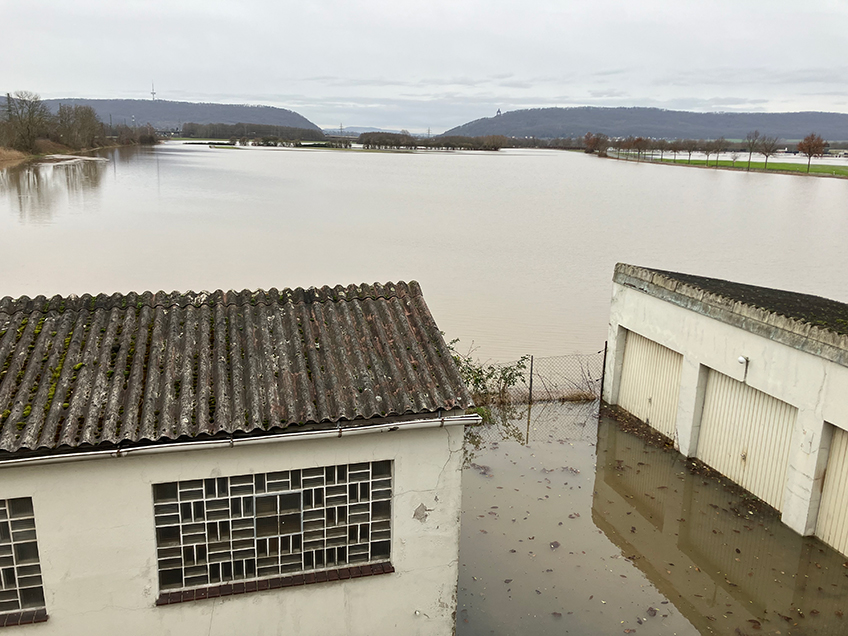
(548, 123)
(164, 114)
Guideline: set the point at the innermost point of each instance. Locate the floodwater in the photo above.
(571, 526)
(514, 250)
(568, 526)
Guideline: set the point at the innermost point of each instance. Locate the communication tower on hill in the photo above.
(152, 92)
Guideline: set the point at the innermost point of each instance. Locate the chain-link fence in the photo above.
(570, 378)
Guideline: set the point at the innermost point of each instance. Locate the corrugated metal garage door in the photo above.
(832, 525)
(650, 382)
(745, 435)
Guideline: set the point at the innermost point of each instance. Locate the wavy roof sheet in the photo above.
(106, 370)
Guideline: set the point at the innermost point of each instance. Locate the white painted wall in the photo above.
(96, 539)
(815, 386)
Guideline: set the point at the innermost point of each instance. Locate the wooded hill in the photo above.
(167, 115)
(548, 123)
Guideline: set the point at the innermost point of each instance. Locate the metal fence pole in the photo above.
(530, 396)
(603, 372)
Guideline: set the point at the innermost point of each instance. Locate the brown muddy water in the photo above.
(571, 526)
(514, 250)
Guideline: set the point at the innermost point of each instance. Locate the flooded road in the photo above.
(555, 542)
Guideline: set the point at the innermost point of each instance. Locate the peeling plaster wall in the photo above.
(814, 385)
(96, 539)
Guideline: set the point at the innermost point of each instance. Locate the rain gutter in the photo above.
(232, 442)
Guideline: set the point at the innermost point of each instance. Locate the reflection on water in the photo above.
(556, 542)
(723, 559)
(36, 190)
(531, 560)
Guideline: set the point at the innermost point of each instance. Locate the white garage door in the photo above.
(832, 526)
(745, 435)
(650, 383)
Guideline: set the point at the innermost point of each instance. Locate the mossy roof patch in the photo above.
(815, 310)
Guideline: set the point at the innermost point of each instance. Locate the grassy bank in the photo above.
(756, 166)
(9, 157)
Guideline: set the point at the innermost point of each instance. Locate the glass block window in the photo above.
(20, 573)
(211, 531)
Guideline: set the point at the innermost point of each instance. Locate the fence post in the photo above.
(603, 373)
(530, 396)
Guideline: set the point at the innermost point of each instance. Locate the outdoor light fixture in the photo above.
(744, 360)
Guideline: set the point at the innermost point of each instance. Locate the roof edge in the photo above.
(296, 296)
(819, 341)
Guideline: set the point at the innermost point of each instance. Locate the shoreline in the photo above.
(10, 158)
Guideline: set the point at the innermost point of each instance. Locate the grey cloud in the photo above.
(607, 93)
(611, 72)
(754, 76)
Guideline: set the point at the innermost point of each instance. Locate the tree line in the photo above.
(25, 119)
(397, 141)
(245, 131)
(813, 145)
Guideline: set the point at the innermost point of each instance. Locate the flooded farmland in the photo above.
(574, 526)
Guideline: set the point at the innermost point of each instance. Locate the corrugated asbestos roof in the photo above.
(88, 371)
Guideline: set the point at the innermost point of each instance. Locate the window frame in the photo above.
(22, 599)
(241, 533)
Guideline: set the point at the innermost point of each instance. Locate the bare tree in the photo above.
(618, 143)
(734, 156)
(768, 148)
(707, 148)
(77, 126)
(641, 144)
(596, 143)
(752, 142)
(629, 144)
(690, 146)
(813, 146)
(718, 146)
(663, 146)
(675, 147)
(27, 118)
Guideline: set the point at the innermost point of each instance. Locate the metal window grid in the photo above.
(21, 587)
(211, 531)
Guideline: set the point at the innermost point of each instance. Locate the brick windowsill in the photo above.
(23, 617)
(273, 583)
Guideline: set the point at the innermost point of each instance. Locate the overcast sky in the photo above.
(433, 63)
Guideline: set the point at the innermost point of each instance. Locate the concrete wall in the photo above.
(97, 544)
(814, 385)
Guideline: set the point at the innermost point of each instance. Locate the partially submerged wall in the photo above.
(799, 365)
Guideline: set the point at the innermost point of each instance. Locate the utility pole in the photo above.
(152, 91)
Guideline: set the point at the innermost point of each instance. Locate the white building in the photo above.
(281, 462)
(752, 381)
